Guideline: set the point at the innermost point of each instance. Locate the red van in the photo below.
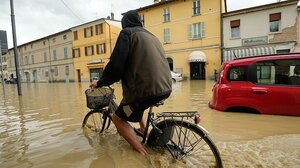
(263, 84)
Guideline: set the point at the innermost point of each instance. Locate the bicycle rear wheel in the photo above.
(95, 120)
(182, 138)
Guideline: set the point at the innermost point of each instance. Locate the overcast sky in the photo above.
(38, 18)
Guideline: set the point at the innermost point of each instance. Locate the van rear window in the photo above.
(281, 72)
(238, 73)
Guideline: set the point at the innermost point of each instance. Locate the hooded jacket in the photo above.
(138, 60)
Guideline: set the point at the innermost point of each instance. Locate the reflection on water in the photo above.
(43, 129)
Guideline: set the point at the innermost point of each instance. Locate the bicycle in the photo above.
(178, 132)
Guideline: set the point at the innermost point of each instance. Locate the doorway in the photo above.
(96, 74)
(78, 75)
(197, 70)
(170, 61)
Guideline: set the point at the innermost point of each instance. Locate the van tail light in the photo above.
(223, 79)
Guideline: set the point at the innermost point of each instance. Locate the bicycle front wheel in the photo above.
(182, 138)
(95, 120)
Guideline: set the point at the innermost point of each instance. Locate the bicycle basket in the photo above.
(98, 98)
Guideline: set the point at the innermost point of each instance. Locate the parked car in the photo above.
(176, 77)
(263, 84)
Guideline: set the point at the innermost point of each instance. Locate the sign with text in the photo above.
(3, 39)
(255, 41)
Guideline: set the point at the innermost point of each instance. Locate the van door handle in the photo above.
(259, 91)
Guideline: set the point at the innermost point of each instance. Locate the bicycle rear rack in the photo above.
(188, 115)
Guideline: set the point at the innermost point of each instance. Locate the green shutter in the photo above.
(202, 29)
(190, 32)
(165, 35)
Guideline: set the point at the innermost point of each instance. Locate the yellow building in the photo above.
(93, 43)
(190, 31)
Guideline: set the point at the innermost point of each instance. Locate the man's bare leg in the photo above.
(127, 132)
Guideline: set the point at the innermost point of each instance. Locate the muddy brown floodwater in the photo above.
(42, 128)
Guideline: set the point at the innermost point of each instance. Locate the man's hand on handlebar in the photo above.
(93, 84)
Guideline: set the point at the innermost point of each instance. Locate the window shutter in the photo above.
(190, 31)
(97, 48)
(202, 29)
(104, 46)
(165, 35)
(85, 51)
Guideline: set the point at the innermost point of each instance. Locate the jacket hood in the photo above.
(131, 19)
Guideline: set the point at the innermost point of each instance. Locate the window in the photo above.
(142, 19)
(65, 52)
(53, 40)
(275, 22)
(196, 7)
(64, 37)
(101, 48)
(167, 35)
(99, 29)
(56, 71)
(283, 51)
(32, 59)
(67, 70)
(76, 53)
(89, 50)
(196, 30)
(44, 42)
(235, 28)
(45, 57)
(166, 15)
(26, 60)
(54, 55)
(75, 33)
(31, 46)
(88, 32)
(238, 73)
(281, 72)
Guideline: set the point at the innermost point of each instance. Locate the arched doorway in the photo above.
(197, 61)
(170, 61)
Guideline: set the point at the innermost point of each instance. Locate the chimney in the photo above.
(112, 16)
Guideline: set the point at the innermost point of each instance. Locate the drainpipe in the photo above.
(221, 27)
(109, 36)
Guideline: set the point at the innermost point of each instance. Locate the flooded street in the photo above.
(42, 128)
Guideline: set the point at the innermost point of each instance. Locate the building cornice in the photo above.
(261, 8)
(156, 5)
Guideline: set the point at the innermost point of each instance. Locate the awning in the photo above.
(230, 54)
(197, 56)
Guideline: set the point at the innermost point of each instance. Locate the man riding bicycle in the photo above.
(137, 60)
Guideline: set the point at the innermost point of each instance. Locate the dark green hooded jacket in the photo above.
(138, 60)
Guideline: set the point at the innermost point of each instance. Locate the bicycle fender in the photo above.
(204, 130)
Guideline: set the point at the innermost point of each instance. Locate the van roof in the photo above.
(249, 60)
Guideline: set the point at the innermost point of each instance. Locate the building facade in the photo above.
(190, 31)
(93, 43)
(261, 30)
(48, 59)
